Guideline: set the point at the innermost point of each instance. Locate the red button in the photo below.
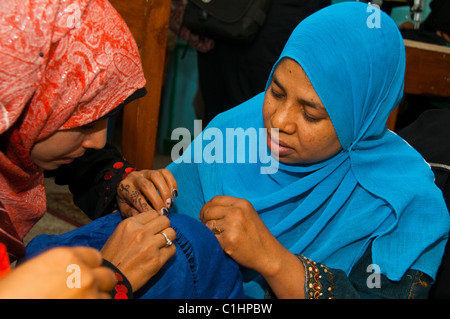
(121, 288)
(119, 277)
(129, 169)
(120, 295)
(108, 175)
(118, 165)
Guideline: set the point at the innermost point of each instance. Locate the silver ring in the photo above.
(168, 241)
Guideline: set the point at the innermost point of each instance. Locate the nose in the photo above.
(283, 119)
(97, 138)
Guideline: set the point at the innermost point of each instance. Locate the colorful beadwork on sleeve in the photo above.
(319, 280)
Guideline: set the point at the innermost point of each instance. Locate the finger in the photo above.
(171, 182)
(128, 194)
(146, 217)
(166, 237)
(167, 253)
(91, 257)
(157, 201)
(151, 225)
(221, 200)
(105, 278)
(212, 212)
(165, 184)
(216, 226)
(127, 211)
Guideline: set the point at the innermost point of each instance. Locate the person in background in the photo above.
(233, 72)
(437, 21)
(435, 29)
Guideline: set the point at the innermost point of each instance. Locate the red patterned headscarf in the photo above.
(63, 64)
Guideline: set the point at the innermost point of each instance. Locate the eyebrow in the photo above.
(317, 106)
(312, 104)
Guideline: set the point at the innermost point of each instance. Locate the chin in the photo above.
(50, 166)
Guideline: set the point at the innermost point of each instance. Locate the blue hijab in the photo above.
(377, 190)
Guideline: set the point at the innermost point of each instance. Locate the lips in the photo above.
(279, 147)
(68, 160)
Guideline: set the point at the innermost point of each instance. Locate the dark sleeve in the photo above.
(439, 17)
(93, 178)
(362, 283)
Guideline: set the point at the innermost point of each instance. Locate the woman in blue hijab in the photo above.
(347, 209)
(347, 189)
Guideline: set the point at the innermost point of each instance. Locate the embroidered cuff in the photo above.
(123, 289)
(319, 280)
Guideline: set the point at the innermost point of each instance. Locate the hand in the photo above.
(444, 35)
(244, 237)
(140, 186)
(47, 276)
(138, 248)
(241, 232)
(406, 25)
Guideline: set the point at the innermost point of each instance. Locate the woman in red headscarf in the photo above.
(64, 66)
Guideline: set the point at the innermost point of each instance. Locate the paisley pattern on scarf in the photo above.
(63, 64)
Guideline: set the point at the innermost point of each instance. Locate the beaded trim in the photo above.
(122, 289)
(314, 280)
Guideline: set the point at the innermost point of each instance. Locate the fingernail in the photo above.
(164, 211)
(169, 202)
(174, 193)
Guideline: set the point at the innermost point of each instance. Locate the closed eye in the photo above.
(275, 94)
(309, 118)
(88, 127)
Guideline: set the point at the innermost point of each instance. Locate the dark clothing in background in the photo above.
(232, 73)
(439, 17)
(429, 135)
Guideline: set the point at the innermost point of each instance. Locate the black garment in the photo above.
(439, 17)
(93, 179)
(388, 5)
(232, 73)
(430, 136)
(437, 20)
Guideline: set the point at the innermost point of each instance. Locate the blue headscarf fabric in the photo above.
(377, 190)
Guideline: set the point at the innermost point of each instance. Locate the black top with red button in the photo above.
(93, 179)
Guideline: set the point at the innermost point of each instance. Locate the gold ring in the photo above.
(215, 230)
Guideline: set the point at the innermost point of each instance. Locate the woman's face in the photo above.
(291, 105)
(64, 146)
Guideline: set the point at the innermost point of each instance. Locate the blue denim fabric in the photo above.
(199, 269)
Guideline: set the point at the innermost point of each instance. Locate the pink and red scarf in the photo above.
(63, 64)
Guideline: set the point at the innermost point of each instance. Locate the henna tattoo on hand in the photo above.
(124, 188)
(134, 197)
(137, 200)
